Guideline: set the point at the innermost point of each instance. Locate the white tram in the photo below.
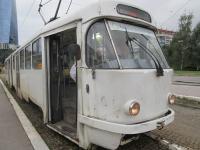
(122, 80)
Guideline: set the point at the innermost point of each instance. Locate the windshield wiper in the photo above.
(158, 66)
(128, 41)
(147, 39)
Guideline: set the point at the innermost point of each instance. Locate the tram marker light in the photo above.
(171, 99)
(134, 109)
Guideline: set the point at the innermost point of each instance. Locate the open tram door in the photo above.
(62, 86)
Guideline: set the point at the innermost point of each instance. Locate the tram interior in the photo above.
(63, 89)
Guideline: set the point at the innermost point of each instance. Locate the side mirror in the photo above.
(75, 50)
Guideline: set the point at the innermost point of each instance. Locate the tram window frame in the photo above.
(88, 52)
(13, 58)
(37, 54)
(6, 63)
(28, 58)
(22, 65)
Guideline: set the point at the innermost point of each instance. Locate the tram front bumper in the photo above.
(158, 123)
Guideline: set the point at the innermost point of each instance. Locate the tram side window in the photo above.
(8, 66)
(22, 59)
(37, 55)
(99, 52)
(14, 62)
(28, 57)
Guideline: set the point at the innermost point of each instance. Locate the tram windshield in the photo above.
(143, 52)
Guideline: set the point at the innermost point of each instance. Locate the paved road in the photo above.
(187, 79)
(188, 86)
(12, 134)
(185, 130)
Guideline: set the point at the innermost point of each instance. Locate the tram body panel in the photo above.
(14, 72)
(6, 70)
(24, 87)
(103, 138)
(110, 91)
(9, 72)
(35, 80)
(14, 79)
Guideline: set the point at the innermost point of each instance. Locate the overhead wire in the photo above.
(46, 2)
(69, 6)
(179, 9)
(78, 4)
(28, 13)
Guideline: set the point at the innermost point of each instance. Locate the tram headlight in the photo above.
(171, 99)
(134, 109)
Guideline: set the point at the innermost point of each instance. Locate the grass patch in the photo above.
(187, 73)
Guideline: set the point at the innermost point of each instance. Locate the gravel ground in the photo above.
(53, 140)
(185, 130)
(58, 142)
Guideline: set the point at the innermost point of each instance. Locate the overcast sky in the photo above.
(164, 12)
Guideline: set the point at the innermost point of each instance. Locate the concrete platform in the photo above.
(12, 134)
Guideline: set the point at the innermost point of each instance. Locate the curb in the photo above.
(170, 146)
(34, 137)
(188, 101)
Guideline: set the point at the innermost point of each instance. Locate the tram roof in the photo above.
(96, 9)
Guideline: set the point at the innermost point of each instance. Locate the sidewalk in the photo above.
(12, 134)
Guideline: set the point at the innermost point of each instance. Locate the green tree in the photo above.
(4, 53)
(179, 50)
(195, 46)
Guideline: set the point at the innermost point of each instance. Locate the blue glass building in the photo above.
(8, 22)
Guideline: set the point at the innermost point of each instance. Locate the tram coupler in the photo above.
(160, 125)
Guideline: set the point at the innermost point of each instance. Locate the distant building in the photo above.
(8, 25)
(165, 36)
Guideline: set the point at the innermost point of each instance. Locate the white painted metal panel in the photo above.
(23, 84)
(35, 84)
(113, 89)
(14, 79)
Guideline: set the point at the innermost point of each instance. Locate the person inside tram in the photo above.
(77, 54)
(73, 72)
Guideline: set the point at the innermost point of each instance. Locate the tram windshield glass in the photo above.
(136, 47)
